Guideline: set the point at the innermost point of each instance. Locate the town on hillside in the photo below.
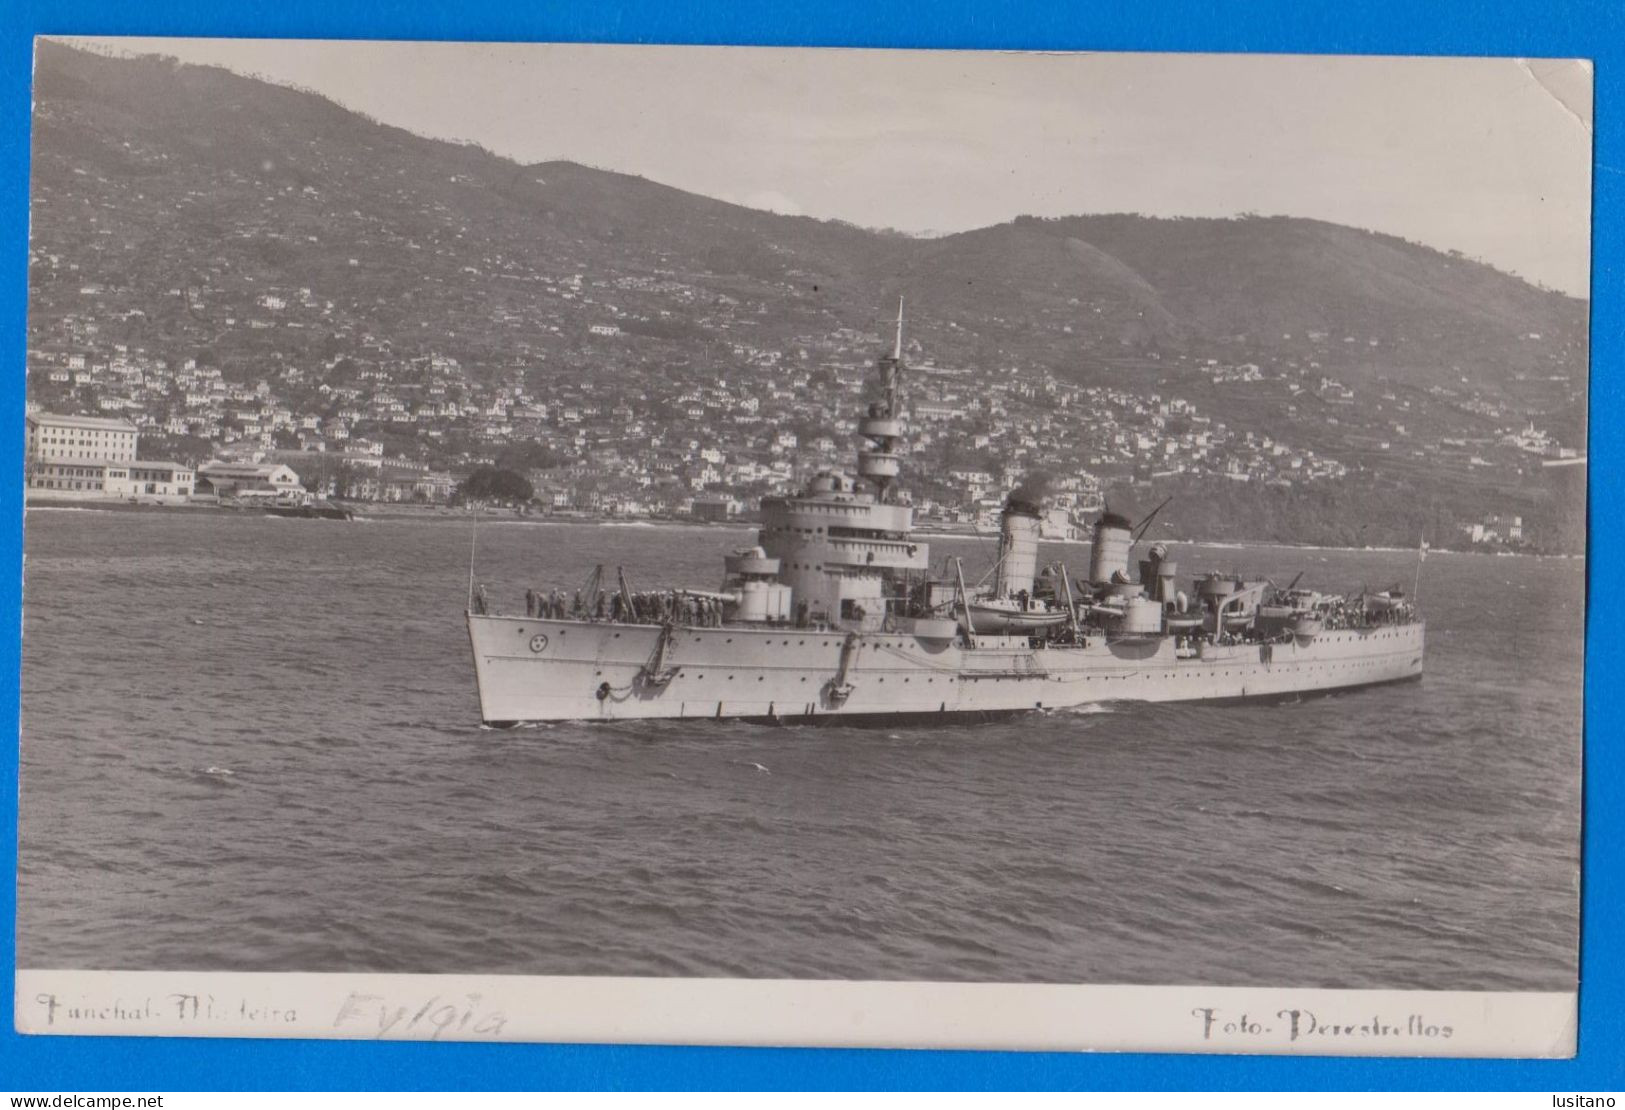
(360, 315)
(705, 447)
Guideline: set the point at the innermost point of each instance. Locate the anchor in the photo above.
(838, 689)
(657, 673)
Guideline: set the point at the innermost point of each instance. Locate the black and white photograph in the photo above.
(789, 545)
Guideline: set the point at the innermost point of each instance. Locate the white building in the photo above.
(235, 479)
(79, 438)
(107, 479)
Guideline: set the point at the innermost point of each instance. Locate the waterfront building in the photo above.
(150, 478)
(411, 483)
(69, 477)
(714, 507)
(139, 478)
(237, 479)
(54, 438)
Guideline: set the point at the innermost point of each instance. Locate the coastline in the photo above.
(370, 510)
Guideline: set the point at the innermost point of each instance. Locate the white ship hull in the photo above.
(539, 669)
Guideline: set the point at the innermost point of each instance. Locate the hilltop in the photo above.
(198, 216)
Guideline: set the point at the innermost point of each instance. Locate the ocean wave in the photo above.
(1088, 709)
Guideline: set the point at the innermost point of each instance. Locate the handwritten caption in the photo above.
(1298, 1025)
(427, 1017)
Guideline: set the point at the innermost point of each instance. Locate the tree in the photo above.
(488, 483)
(529, 455)
(188, 449)
(346, 479)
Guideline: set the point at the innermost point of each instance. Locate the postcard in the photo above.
(804, 546)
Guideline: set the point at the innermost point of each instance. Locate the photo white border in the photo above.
(815, 1013)
(791, 1012)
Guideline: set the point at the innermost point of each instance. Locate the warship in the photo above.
(836, 614)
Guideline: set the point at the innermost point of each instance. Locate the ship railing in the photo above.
(695, 608)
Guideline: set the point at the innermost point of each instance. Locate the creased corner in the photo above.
(1567, 81)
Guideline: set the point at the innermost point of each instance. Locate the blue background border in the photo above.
(1557, 28)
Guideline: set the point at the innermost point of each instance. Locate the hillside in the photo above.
(183, 195)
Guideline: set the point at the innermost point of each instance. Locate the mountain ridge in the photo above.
(186, 195)
(55, 61)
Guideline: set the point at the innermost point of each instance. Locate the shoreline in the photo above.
(365, 511)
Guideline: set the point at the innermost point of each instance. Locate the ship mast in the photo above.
(897, 343)
(883, 426)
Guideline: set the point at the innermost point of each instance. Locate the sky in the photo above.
(1491, 157)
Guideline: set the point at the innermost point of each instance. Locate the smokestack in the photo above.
(1108, 553)
(1018, 548)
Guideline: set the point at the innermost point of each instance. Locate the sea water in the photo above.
(254, 744)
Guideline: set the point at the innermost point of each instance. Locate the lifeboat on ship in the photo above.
(1005, 614)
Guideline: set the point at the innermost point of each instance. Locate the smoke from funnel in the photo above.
(1030, 492)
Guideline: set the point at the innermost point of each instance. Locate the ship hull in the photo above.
(531, 669)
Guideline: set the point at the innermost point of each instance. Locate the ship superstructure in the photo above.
(836, 613)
